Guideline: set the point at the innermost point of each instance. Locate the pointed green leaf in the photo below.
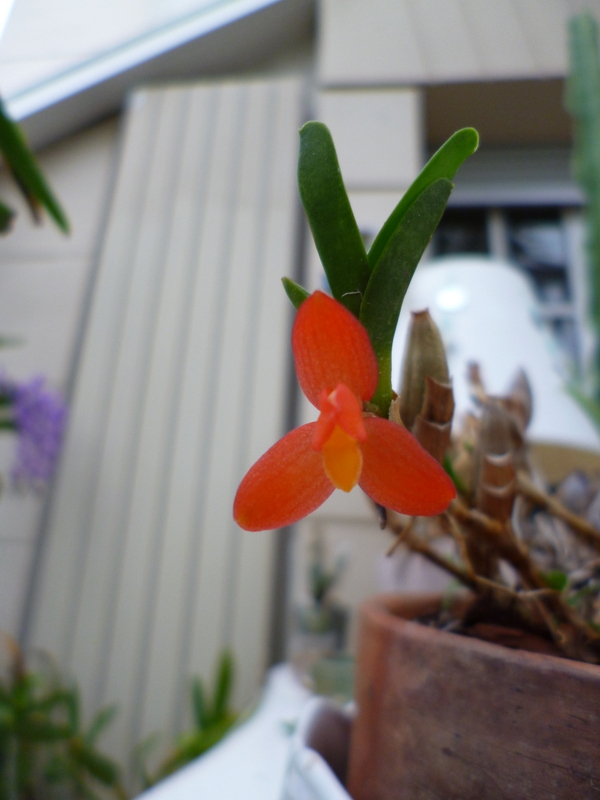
(223, 687)
(330, 216)
(202, 716)
(103, 718)
(296, 293)
(26, 171)
(98, 765)
(390, 279)
(443, 164)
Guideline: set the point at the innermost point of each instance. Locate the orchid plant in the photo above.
(342, 349)
(478, 490)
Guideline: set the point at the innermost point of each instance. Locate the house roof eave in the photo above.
(239, 35)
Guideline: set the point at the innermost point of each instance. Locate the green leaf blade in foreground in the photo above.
(6, 218)
(392, 275)
(330, 216)
(223, 687)
(26, 171)
(297, 294)
(443, 164)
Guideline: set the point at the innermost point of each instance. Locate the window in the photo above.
(538, 239)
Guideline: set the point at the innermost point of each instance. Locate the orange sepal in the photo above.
(398, 474)
(332, 347)
(286, 484)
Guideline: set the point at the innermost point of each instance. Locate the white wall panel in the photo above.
(15, 560)
(377, 134)
(181, 386)
(445, 34)
(368, 43)
(408, 42)
(499, 38)
(44, 279)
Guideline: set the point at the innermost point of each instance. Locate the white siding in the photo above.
(181, 385)
(44, 277)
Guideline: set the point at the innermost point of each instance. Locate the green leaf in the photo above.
(555, 579)
(390, 279)
(26, 171)
(194, 744)
(330, 216)
(456, 480)
(6, 218)
(7, 718)
(65, 699)
(101, 767)
(443, 164)
(140, 755)
(103, 718)
(223, 687)
(36, 728)
(296, 293)
(201, 713)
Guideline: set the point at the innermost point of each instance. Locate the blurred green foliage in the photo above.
(23, 167)
(212, 716)
(45, 753)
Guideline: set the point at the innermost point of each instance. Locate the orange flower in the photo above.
(337, 371)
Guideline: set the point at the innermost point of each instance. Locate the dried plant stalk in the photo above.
(489, 462)
(425, 356)
(578, 524)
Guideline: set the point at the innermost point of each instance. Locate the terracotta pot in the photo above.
(447, 717)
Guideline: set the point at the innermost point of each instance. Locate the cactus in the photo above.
(583, 103)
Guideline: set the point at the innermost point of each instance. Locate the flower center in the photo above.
(338, 431)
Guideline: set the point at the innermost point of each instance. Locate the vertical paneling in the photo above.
(182, 384)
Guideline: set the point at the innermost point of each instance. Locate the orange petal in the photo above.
(398, 474)
(331, 347)
(348, 412)
(325, 422)
(342, 459)
(339, 407)
(286, 484)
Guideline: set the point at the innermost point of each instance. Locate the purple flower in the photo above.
(39, 416)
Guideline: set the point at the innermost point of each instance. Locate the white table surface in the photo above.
(250, 764)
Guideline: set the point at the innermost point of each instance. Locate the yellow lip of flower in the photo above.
(342, 459)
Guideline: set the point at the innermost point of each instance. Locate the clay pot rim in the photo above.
(395, 612)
